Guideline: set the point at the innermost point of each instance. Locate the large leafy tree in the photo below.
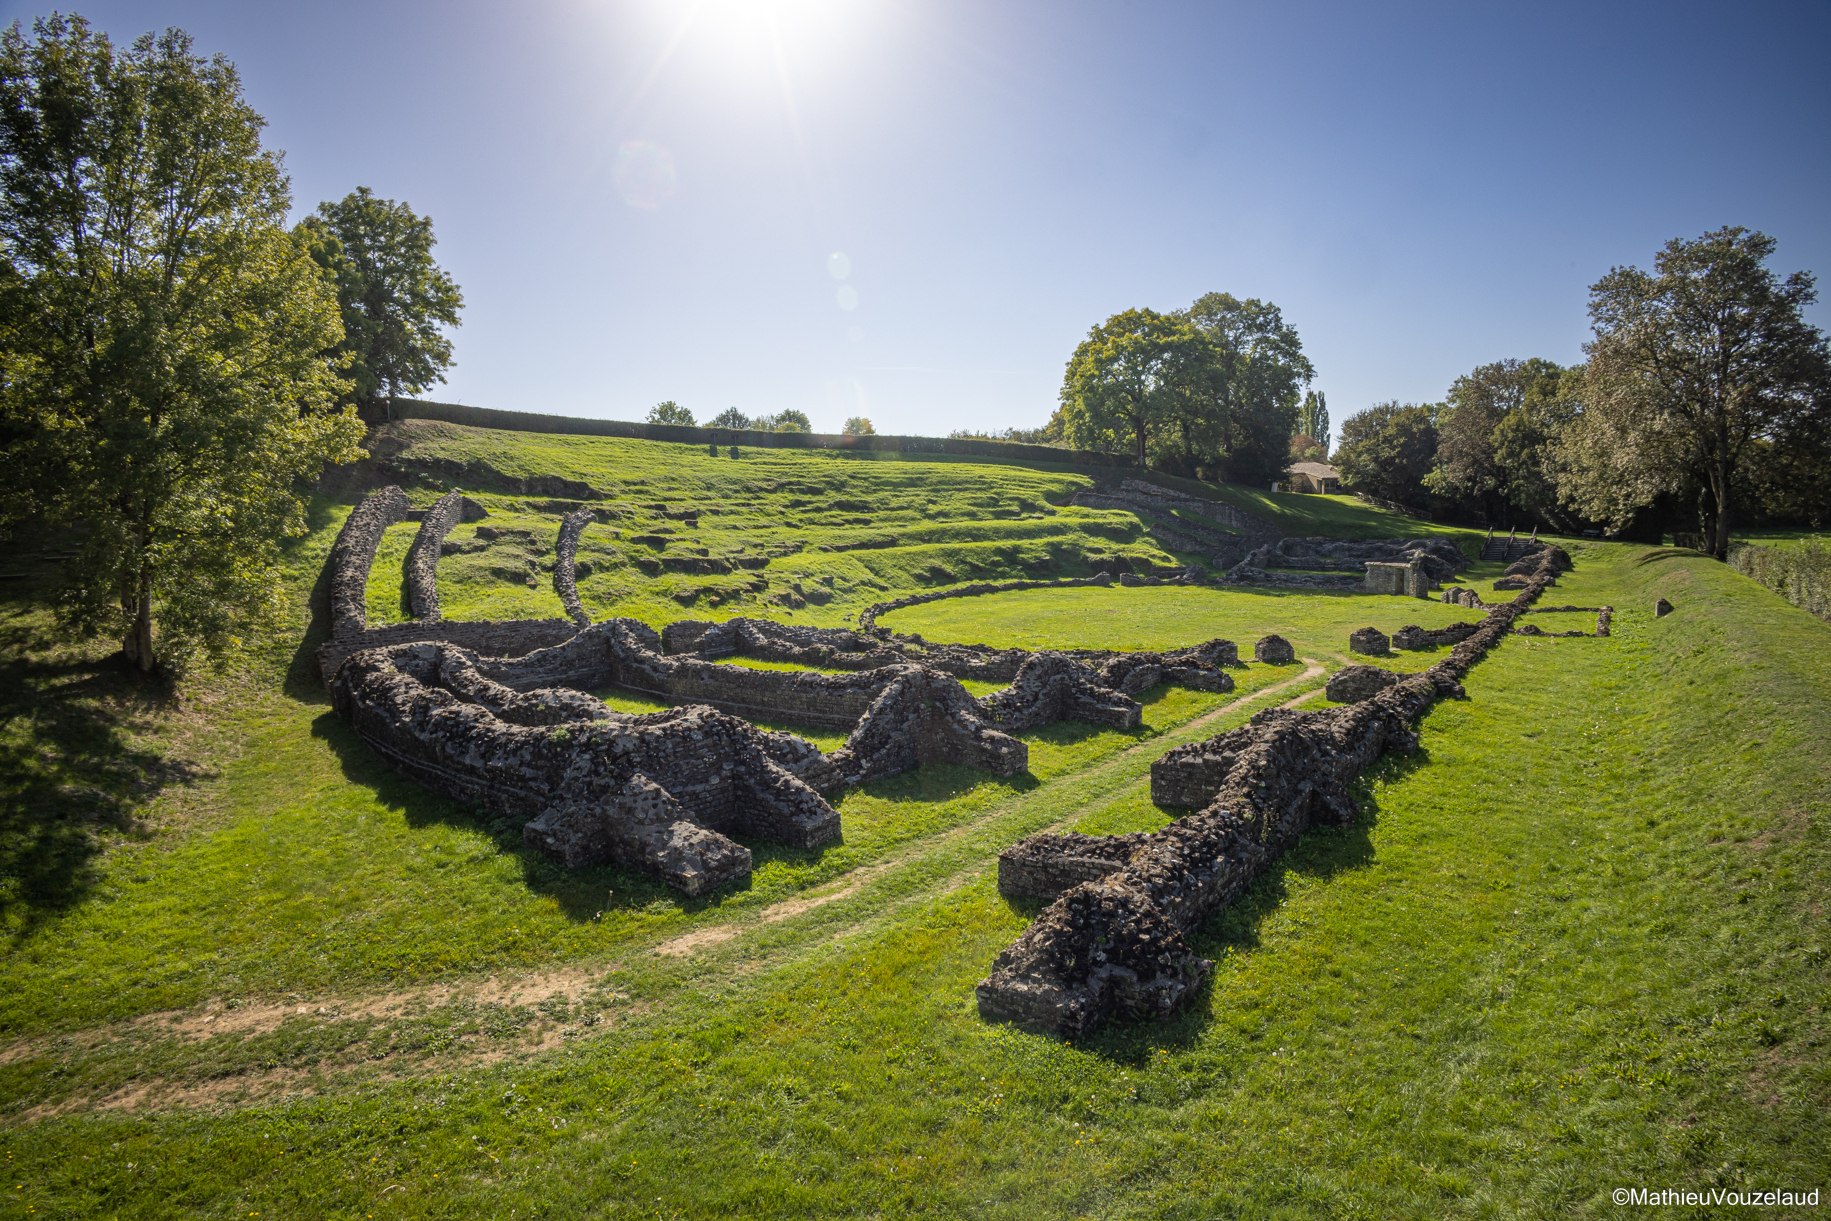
(163, 379)
(1262, 369)
(1387, 450)
(1509, 396)
(1692, 369)
(394, 297)
(1133, 372)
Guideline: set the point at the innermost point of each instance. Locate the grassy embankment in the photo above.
(1576, 943)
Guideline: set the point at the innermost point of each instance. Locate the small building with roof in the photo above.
(1315, 477)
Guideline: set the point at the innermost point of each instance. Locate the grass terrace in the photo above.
(1576, 942)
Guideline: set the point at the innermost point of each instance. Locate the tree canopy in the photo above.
(164, 382)
(1387, 450)
(670, 412)
(1262, 370)
(858, 426)
(394, 298)
(1492, 434)
(1134, 371)
(1696, 370)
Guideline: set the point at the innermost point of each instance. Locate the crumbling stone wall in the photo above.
(423, 559)
(1413, 637)
(660, 793)
(565, 564)
(1351, 684)
(353, 555)
(1118, 943)
(1523, 571)
(490, 637)
(1369, 640)
(1274, 650)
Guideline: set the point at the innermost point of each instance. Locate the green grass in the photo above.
(1576, 942)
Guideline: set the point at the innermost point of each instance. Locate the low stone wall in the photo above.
(423, 559)
(660, 793)
(565, 564)
(1413, 637)
(1044, 866)
(353, 555)
(489, 637)
(1119, 944)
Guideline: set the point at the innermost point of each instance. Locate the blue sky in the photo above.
(642, 200)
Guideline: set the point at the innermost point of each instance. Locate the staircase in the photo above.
(1510, 548)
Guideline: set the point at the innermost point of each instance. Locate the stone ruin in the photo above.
(1408, 567)
(1351, 684)
(1274, 651)
(499, 713)
(1114, 939)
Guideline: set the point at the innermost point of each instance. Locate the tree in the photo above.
(1387, 450)
(1263, 370)
(788, 420)
(731, 418)
(1481, 403)
(393, 295)
(1127, 375)
(670, 412)
(859, 426)
(1305, 448)
(1313, 419)
(163, 378)
(1690, 369)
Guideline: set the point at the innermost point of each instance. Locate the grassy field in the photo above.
(1576, 943)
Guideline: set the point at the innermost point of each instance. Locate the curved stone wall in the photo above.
(423, 559)
(353, 555)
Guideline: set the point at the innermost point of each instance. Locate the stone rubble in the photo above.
(1116, 944)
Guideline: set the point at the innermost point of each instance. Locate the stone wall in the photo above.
(1117, 944)
(353, 555)
(565, 564)
(490, 637)
(423, 559)
(660, 793)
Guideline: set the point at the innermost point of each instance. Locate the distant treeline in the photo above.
(1705, 398)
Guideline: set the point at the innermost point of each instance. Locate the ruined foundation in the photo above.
(1116, 944)
(498, 712)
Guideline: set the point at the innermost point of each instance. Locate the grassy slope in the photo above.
(1576, 943)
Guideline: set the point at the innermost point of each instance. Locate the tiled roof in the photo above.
(1315, 470)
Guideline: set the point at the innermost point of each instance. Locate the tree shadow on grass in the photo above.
(303, 682)
(1320, 853)
(77, 759)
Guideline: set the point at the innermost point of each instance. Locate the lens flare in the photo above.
(847, 297)
(644, 173)
(838, 265)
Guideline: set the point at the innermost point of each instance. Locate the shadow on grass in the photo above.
(73, 766)
(303, 682)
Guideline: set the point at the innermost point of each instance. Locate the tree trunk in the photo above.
(1140, 431)
(1719, 486)
(138, 643)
